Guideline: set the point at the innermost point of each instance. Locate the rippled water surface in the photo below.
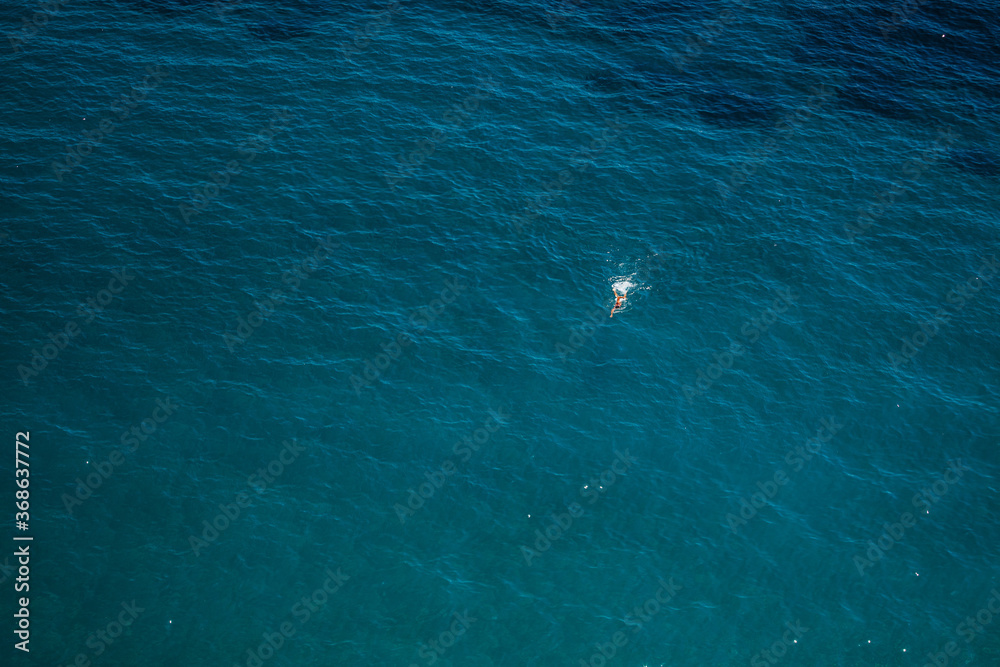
(307, 307)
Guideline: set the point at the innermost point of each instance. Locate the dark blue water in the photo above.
(307, 309)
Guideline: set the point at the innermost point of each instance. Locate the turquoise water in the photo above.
(337, 277)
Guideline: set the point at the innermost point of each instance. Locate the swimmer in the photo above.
(619, 299)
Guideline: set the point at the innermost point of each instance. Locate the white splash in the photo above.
(622, 286)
